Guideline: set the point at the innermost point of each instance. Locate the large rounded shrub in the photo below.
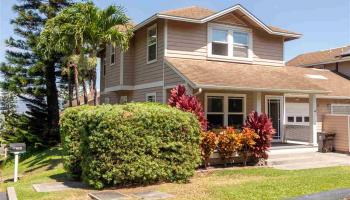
(136, 143)
(72, 124)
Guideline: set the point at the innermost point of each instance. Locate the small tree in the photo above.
(179, 99)
(262, 125)
(208, 145)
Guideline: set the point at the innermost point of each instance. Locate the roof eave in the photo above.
(300, 91)
(323, 63)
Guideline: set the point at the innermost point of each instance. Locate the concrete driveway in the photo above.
(305, 158)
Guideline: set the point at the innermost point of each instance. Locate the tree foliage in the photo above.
(82, 30)
(29, 75)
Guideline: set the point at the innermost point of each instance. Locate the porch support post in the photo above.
(257, 102)
(313, 118)
(283, 119)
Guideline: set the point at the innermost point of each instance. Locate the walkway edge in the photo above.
(11, 193)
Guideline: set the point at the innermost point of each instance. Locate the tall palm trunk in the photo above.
(76, 80)
(70, 88)
(94, 88)
(85, 92)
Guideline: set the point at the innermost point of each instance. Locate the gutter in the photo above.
(262, 89)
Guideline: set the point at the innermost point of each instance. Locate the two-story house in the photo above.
(231, 61)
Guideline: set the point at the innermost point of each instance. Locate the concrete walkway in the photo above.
(3, 196)
(328, 195)
(306, 159)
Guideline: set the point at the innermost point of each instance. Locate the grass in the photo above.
(237, 183)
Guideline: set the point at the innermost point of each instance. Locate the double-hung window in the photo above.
(152, 43)
(215, 111)
(220, 42)
(112, 54)
(225, 110)
(240, 44)
(229, 42)
(235, 111)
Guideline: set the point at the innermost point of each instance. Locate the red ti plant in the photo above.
(262, 125)
(208, 145)
(189, 103)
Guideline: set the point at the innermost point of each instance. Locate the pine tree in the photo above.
(28, 74)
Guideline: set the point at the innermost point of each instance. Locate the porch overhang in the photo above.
(217, 75)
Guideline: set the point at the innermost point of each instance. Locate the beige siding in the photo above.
(298, 133)
(187, 40)
(140, 95)
(267, 49)
(112, 70)
(129, 64)
(171, 78)
(344, 68)
(147, 73)
(113, 98)
(340, 126)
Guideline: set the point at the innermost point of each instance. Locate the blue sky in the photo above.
(324, 24)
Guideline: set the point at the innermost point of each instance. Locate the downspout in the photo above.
(199, 92)
(337, 67)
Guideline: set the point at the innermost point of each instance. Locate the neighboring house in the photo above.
(232, 61)
(337, 60)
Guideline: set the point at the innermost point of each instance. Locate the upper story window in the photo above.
(152, 43)
(112, 54)
(229, 42)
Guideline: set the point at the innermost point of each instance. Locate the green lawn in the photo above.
(237, 183)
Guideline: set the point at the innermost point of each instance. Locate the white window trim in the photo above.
(225, 111)
(154, 26)
(151, 94)
(337, 104)
(230, 30)
(112, 50)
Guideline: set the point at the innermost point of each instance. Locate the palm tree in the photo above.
(84, 29)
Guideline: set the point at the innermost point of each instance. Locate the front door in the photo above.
(274, 108)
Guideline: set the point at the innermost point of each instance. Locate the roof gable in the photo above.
(197, 14)
(230, 19)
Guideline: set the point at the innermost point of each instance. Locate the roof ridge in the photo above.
(193, 6)
(341, 47)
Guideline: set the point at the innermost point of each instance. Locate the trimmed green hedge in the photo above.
(136, 143)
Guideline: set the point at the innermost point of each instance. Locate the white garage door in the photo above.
(297, 113)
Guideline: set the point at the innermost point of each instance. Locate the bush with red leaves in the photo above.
(262, 125)
(179, 99)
